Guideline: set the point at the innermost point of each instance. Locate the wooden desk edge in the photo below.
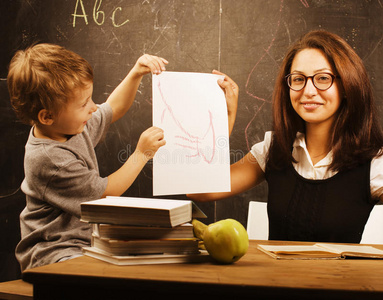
(16, 290)
(43, 278)
(187, 290)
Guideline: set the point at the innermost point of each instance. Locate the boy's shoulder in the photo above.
(47, 151)
(104, 112)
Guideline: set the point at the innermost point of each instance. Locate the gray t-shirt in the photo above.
(58, 177)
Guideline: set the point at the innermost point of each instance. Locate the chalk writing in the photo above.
(98, 14)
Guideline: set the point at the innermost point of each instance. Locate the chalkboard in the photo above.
(245, 39)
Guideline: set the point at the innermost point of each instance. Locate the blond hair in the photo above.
(43, 77)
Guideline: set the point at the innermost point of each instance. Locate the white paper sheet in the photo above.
(191, 109)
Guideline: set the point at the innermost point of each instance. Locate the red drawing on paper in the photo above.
(189, 141)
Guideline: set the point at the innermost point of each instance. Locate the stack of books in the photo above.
(129, 231)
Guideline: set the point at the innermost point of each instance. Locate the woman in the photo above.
(323, 159)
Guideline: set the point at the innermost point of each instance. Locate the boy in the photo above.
(51, 89)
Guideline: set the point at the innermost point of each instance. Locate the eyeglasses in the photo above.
(322, 81)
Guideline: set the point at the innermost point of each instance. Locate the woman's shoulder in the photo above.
(377, 162)
(376, 176)
(300, 137)
(261, 149)
(266, 140)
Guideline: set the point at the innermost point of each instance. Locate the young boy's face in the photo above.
(74, 116)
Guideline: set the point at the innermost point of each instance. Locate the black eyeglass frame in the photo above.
(312, 80)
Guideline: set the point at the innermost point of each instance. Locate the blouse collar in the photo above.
(300, 144)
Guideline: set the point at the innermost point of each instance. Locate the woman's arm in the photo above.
(231, 93)
(245, 174)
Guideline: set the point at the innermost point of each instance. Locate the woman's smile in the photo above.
(313, 105)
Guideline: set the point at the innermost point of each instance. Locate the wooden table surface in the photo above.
(255, 274)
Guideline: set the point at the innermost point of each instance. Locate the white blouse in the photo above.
(320, 170)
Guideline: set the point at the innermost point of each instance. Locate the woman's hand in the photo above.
(231, 93)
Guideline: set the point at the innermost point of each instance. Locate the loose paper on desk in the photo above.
(191, 109)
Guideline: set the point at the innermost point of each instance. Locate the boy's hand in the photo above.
(150, 64)
(150, 141)
(231, 93)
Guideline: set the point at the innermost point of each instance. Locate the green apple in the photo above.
(226, 240)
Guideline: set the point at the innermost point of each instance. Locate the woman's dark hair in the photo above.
(357, 136)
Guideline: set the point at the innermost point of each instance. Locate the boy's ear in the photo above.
(45, 117)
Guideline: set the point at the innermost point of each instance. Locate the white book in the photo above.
(144, 246)
(126, 232)
(321, 251)
(147, 259)
(139, 211)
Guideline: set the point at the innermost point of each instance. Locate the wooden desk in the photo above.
(16, 290)
(255, 276)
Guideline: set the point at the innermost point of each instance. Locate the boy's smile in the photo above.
(72, 118)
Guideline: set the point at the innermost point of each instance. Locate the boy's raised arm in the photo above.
(123, 96)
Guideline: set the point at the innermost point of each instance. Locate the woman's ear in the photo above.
(45, 117)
